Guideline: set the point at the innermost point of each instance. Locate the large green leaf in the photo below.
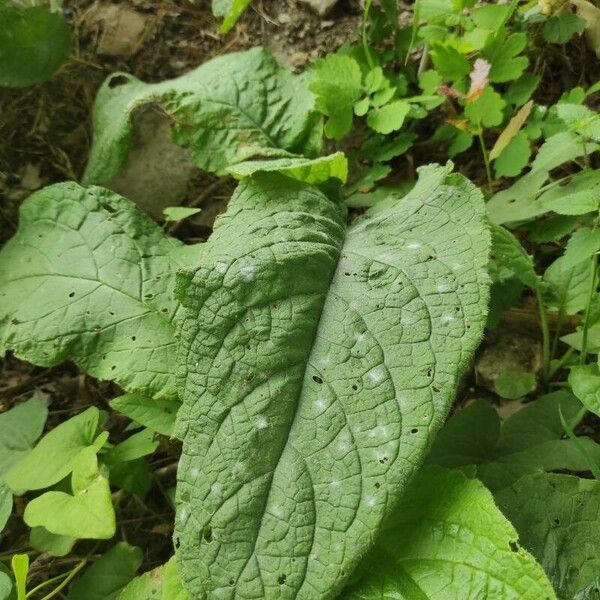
(448, 541)
(34, 42)
(231, 109)
(317, 361)
(89, 278)
(105, 579)
(20, 427)
(558, 519)
(57, 453)
(530, 440)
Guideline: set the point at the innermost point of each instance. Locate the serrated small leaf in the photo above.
(388, 118)
(503, 54)
(583, 244)
(440, 538)
(577, 203)
(490, 16)
(337, 84)
(560, 28)
(521, 90)
(449, 63)
(487, 110)
(567, 286)
(509, 260)
(362, 106)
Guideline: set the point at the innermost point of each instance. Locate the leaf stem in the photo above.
(588, 309)
(70, 576)
(365, 40)
(592, 466)
(486, 159)
(560, 363)
(545, 335)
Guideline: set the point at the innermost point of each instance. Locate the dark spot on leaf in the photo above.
(133, 338)
(110, 209)
(232, 581)
(281, 579)
(414, 430)
(207, 534)
(354, 387)
(557, 521)
(434, 389)
(514, 547)
(72, 294)
(377, 484)
(317, 379)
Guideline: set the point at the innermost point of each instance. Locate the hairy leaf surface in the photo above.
(231, 109)
(89, 278)
(449, 541)
(316, 362)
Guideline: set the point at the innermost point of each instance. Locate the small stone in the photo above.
(321, 6)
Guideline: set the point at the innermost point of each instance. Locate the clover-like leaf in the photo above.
(87, 513)
(317, 360)
(89, 278)
(448, 540)
(233, 108)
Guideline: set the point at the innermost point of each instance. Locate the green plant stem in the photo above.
(556, 337)
(588, 309)
(545, 335)
(44, 584)
(365, 39)
(561, 363)
(486, 159)
(593, 467)
(71, 575)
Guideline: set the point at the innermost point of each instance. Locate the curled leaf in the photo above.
(513, 127)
